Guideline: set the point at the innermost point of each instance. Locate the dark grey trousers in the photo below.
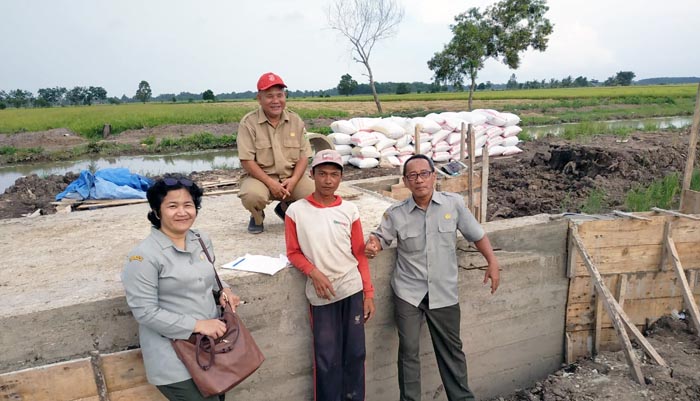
(186, 391)
(443, 324)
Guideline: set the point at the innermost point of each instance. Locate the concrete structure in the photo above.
(60, 297)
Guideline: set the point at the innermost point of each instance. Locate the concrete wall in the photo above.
(511, 338)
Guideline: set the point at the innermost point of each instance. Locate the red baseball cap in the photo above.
(268, 80)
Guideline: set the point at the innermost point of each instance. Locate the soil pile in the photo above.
(607, 375)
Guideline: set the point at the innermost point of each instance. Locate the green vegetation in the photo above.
(663, 193)
(88, 121)
(204, 140)
(594, 203)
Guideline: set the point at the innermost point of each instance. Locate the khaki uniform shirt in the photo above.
(276, 150)
(168, 290)
(427, 247)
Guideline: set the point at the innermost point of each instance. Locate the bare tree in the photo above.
(363, 23)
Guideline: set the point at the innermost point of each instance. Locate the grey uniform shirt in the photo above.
(427, 247)
(168, 290)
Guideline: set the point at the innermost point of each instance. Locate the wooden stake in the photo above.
(470, 163)
(96, 363)
(416, 138)
(484, 184)
(663, 266)
(621, 290)
(690, 161)
(598, 321)
(463, 141)
(687, 293)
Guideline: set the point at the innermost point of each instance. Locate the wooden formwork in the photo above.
(640, 262)
(117, 377)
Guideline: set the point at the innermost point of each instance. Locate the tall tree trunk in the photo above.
(374, 90)
(472, 87)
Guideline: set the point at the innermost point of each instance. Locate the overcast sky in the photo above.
(225, 45)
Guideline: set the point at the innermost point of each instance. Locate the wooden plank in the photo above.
(633, 259)
(458, 184)
(571, 257)
(630, 215)
(570, 351)
(219, 183)
(615, 233)
(124, 370)
(66, 381)
(675, 214)
(581, 316)
(692, 145)
(142, 393)
(618, 316)
(641, 285)
(222, 192)
(687, 293)
(484, 203)
(579, 345)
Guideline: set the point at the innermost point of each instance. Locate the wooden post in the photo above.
(470, 163)
(690, 161)
(96, 363)
(463, 141)
(484, 184)
(685, 288)
(416, 138)
(106, 130)
(598, 320)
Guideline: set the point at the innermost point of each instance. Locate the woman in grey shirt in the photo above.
(169, 282)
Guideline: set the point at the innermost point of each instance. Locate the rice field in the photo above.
(535, 106)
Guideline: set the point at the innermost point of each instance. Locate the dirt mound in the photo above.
(607, 375)
(556, 176)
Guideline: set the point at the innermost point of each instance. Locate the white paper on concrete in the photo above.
(258, 264)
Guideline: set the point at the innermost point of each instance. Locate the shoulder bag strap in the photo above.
(206, 252)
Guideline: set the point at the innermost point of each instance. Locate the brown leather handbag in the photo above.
(218, 365)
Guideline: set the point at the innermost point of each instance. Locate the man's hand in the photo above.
(368, 309)
(373, 246)
(289, 184)
(323, 286)
(278, 190)
(493, 273)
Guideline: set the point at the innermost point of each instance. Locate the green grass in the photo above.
(653, 91)
(595, 203)
(89, 120)
(661, 193)
(201, 141)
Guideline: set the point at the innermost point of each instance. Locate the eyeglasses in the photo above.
(171, 181)
(414, 176)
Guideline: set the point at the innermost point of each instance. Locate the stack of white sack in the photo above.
(364, 141)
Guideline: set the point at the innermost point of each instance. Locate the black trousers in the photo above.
(339, 349)
(443, 324)
(186, 391)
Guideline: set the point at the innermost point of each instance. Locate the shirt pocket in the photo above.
(292, 147)
(412, 240)
(447, 233)
(264, 155)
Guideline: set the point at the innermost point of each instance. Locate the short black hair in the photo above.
(418, 156)
(159, 190)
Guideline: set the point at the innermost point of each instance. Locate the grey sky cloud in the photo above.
(224, 45)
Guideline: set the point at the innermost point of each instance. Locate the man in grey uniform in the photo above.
(425, 278)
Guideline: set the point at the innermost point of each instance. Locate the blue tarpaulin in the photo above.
(109, 183)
